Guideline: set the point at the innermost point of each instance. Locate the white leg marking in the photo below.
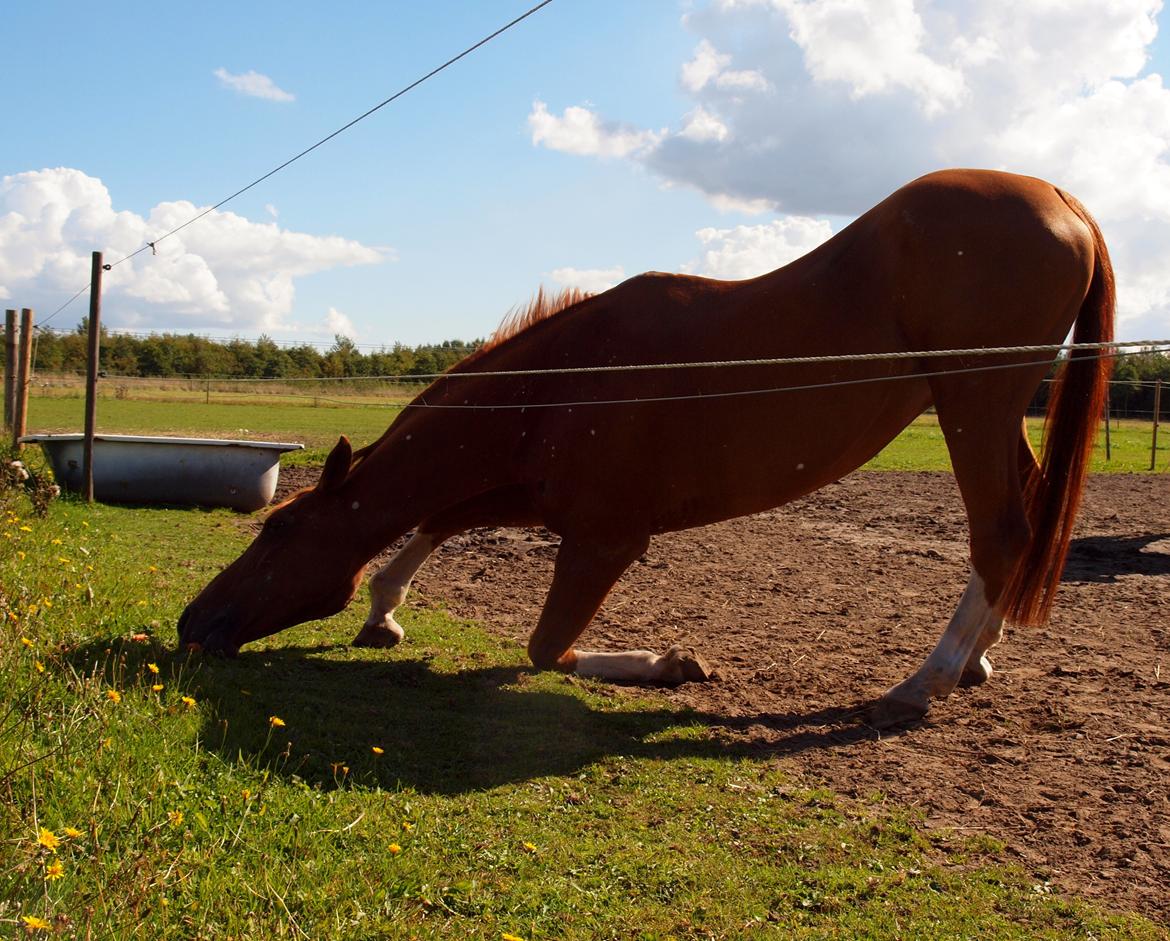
(978, 669)
(388, 589)
(974, 623)
(678, 665)
(629, 665)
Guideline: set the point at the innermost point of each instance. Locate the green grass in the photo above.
(919, 447)
(922, 447)
(502, 800)
(316, 427)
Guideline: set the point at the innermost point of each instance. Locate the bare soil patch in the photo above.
(811, 611)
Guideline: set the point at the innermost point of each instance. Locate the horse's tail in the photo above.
(1052, 492)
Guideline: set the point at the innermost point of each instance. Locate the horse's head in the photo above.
(300, 567)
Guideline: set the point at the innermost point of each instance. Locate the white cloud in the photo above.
(872, 46)
(223, 271)
(579, 131)
(272, 210)
(593, 280)
(338, 323)
(846, 100)
(254, 85)
(701, 125)
(746, 251)
(709, 66)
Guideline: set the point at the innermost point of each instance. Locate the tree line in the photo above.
(173, 355)
(170, 355)
(1131, 391)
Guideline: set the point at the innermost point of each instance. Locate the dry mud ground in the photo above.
(810, 611)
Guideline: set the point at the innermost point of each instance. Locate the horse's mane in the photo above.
(541, 307)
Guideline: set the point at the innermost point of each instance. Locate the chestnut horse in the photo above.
(960, 259)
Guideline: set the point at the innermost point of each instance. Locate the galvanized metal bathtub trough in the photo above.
(178, 471)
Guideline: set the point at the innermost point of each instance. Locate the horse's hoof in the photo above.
(976, 675)
(684, 665)
(890, 712)
(378, 636)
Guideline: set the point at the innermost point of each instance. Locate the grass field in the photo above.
(919, 447)
(440, 790)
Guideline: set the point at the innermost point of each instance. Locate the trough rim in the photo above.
(143, 439)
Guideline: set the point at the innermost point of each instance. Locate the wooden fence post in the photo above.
(91, 374)
(1108, 448)
(9, 366)
(1157, 415)
(23, 378)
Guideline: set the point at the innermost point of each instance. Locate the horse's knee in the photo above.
(546, 656)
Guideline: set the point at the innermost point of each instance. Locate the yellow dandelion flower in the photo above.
(32, 923)
(377, 751)
(46, 602)
(40, 666)
(62, 560)
(113, 695)
(188, 701)
(24, 640)
(394, 849)
(528, 847)
(152, 568)
(157, 687)
(26, 529)
(72, 832)
(48, 839)
(407, 826)
(175, 817)
(247, 793)
(20, 554)
(32, 609)
(55, 870)
(344, 770)
(510, 937)
(152, 667)
(275, 721)
(85, 524)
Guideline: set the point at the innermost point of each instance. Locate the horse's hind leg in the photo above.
(510, 506)
(585, 572)
(978, 669)
(990, 464)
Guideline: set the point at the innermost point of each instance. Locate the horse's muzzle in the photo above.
(214, 634)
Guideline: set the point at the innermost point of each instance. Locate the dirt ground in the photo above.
(811, 611)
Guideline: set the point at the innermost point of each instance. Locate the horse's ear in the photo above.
(336, 465)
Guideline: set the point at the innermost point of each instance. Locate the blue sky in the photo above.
(446, 209)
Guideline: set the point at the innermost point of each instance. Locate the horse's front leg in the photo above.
(585, 572)
(388, 589)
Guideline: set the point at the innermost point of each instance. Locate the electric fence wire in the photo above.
(1103, 351)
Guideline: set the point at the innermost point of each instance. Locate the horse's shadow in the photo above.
(400, 722)
(1104, 558)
